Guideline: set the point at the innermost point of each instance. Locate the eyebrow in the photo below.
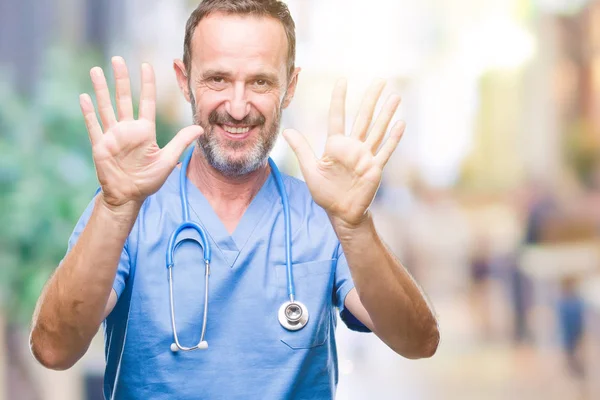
(215, 72)
(271, 77)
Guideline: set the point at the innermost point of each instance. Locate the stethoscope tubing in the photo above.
(288, 228)
(293, 322)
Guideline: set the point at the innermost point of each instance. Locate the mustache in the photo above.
(222, 118)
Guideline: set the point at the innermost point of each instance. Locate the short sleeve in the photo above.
(343, 285)
(124, 262)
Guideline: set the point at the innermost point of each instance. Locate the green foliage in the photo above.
(581, 148)
(47, 176)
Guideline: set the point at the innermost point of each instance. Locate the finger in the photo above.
(148, 95)
(337, 109)
(302, 149)
(122, 89)
(173, 150)
(367, 107)
(105, 107)
(91, 120)
(386, 151)
(382, 122)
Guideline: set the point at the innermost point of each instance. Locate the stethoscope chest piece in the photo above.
(293, 315)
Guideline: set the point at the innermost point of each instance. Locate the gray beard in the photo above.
(216, 155)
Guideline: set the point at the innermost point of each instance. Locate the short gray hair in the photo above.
(260, 8)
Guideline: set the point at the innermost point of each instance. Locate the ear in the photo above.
(291, 89)
(182, 78)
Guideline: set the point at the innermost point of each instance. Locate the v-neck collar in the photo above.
(230, 245)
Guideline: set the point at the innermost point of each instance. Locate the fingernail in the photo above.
(96, 72)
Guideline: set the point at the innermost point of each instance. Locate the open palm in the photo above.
(345, 179)
(129, 164)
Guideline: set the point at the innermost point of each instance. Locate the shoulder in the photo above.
(296, 187)
(309, 220)
(303, 204)
(299, 195)
(167, 193)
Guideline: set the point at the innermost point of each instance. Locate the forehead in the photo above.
(239, 42)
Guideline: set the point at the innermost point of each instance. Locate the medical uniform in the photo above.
(250, 355)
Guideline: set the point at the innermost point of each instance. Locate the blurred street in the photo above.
(465, 367)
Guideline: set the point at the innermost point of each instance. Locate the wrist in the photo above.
(348, 230)
(127, 210)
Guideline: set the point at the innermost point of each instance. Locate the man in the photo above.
(238, 74)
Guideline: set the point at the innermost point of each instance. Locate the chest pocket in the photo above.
(313, 283)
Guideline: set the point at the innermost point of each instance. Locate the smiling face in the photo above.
(238, 85)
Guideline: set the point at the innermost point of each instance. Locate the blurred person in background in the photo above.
(238, 73)
(570, 316)
(480, 285)
(539, 206)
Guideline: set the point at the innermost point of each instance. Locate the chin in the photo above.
(236, 163)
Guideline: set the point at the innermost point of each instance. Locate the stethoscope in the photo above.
(292, 315)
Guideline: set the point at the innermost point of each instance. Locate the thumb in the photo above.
(301, 147)
(173, 150)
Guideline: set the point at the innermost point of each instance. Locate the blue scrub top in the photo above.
(250, 356)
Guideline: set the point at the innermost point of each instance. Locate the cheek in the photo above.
(267, 105)
(206, 102)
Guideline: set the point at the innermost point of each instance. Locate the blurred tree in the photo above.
(582, 149)
(47, 175)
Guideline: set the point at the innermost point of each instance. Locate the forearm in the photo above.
(396, 305)
(71, 306)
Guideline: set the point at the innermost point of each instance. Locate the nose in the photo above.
(238, 106)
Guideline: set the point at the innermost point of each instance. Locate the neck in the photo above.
(228, 196)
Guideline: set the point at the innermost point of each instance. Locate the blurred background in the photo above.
(492, 199)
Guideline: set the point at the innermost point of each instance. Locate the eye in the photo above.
(262, 85)
(216, 82)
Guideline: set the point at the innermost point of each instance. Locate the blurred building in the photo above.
(28, 28)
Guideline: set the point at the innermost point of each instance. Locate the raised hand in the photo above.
(345, 179)
(129, 164)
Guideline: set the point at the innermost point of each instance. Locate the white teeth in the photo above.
(231, 129)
